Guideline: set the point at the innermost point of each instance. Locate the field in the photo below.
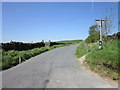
(70, 41)
(105, 61)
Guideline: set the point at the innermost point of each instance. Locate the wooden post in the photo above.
(19, 59)
(49, 43)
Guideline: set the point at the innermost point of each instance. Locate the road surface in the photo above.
(57, 68)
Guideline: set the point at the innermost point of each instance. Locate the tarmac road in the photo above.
(57, 68)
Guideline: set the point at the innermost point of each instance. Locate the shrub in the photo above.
(6, 62)
(92, 39)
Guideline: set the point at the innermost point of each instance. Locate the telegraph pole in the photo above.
(100, 25)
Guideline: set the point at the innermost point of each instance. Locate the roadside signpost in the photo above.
(100, 23)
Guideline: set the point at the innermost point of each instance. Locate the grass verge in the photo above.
(103, 62)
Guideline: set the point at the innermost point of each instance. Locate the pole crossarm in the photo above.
(100, 20)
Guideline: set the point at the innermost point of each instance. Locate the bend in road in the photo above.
(57, 68)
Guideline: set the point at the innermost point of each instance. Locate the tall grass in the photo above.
(104, 61)
(108, 56)
(84, 48)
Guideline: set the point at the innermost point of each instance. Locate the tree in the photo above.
(93, 34)
(93, 30)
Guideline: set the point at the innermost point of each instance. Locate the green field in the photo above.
(70, 41)
(105, 61)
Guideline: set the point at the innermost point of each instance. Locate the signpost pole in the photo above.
(100, 25)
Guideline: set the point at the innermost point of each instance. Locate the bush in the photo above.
(92, 39)
(6, 62)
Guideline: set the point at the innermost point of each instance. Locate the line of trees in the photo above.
(55, 43)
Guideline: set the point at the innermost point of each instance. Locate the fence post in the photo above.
(49, 43)
(19, 59)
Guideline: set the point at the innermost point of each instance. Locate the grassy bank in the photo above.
(85, 48)
(11, 58)
(105, 61)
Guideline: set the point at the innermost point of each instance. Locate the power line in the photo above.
(92, 9)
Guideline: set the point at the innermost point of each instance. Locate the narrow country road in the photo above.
(57, 68)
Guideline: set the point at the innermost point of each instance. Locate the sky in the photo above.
(55, 21)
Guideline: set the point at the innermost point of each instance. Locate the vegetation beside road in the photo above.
(85, 48)
(11, 58)
(105, 61)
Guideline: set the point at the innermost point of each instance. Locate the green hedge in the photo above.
(11, 58)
